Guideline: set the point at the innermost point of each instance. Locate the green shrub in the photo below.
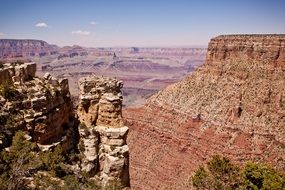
(20, 161)
(200, 179)
(45, 181)
(261, 176)
(52, 160)
(7, 90)
(221, 174)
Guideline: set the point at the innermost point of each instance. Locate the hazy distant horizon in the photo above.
(190, 46)
(129, 23)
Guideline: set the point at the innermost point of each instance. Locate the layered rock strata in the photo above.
(264, 48)
(102, 133)
(233, 106)
(41, 106)
(16, 48)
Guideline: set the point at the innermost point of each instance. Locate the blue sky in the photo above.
(97, 23)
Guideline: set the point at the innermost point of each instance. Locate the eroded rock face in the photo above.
(233, 106)
(265, 48)
(100, 101)
(17, 73)
(102, 133)
(41, 106)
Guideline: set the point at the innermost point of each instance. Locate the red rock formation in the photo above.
(270, 48)
(233, 105)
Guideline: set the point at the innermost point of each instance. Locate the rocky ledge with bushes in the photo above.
(44, 143)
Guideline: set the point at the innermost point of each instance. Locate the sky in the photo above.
(144, 23)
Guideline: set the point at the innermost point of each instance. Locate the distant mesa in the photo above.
(12, 48)
(23, 49)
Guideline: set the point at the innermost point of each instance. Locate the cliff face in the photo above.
(269, 48)
(10, 48)
(102, 133)
(41, 106)
(233, 105)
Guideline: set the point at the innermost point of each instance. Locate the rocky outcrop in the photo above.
(233, 105)
(41, 106)
(264, 48)
(102, 133)
(17, 72)
(11, 48)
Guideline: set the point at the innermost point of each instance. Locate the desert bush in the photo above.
(45, 181)
(52, 160)
(261, 176)
(201, 179)
(7, 90)
(220, 174)
(19, 162)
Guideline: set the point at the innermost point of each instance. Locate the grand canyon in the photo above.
(232, 105)
(142, 95)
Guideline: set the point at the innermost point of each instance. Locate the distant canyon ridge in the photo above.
(144, 71)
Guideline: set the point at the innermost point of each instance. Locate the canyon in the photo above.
(144, 70)
(233, 105)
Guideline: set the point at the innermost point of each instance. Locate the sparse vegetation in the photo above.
(114, 185)
(7, 90)
(48, 169)
(221, 174)
(20, 161)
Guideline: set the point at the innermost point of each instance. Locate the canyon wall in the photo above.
(264, 48)
(233, 106)
(102, 133)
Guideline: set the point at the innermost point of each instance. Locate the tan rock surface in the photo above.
(17, 73)
(43, 104)
(102, 133)
(100, 101)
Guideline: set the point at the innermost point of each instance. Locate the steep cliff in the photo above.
(264, 48)
(233, 105)
(41, 106)
(37, 117)
(102, 133)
